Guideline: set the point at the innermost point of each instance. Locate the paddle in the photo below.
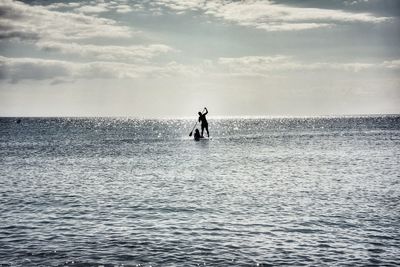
(192, 129)
(195, 125)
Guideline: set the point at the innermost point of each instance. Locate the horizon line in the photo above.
(216, 117)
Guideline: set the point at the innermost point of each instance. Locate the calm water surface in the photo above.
(113, 192)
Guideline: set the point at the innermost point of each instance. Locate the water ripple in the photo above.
(262, 192)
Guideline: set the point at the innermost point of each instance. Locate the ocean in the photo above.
(319, 191)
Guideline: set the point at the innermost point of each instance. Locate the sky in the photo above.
(171, 58)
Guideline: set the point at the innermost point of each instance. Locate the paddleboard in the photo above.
(203, 139)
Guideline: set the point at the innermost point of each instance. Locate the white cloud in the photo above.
(63, 5)
(16, 69)
(264, 66)
(100, 8)
(181, 5)
(109, 52)
(272, 17)
(20, 20)
(123, 9)
(273, 27)
(91, 7)
(269, 15)
(65, 32)
(393, 64)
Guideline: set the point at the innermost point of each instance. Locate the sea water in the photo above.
(263, 191)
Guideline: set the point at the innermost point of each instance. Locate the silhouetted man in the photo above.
(204, 123)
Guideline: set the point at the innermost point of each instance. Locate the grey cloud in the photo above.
(13, 34)
(53, 25)
(62, 32)
(17, 69)
(383, 7)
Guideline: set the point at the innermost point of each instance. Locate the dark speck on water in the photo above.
(263, 192)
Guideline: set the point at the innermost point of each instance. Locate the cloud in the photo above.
(90, 7)
(181, 5)
(10, 33)
(123, 9)
(25, 22)
(273, 17)
(100, 8)
(63, 5)
(269, 15)
(393, 64)
(264, 66)
(109, 52)
(69, 33)
(17, 69)
(354, 2)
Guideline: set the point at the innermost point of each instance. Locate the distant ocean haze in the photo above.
(276, 191)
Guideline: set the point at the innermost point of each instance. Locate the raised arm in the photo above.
(206, 111)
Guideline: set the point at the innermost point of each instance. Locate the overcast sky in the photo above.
(170, 58)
